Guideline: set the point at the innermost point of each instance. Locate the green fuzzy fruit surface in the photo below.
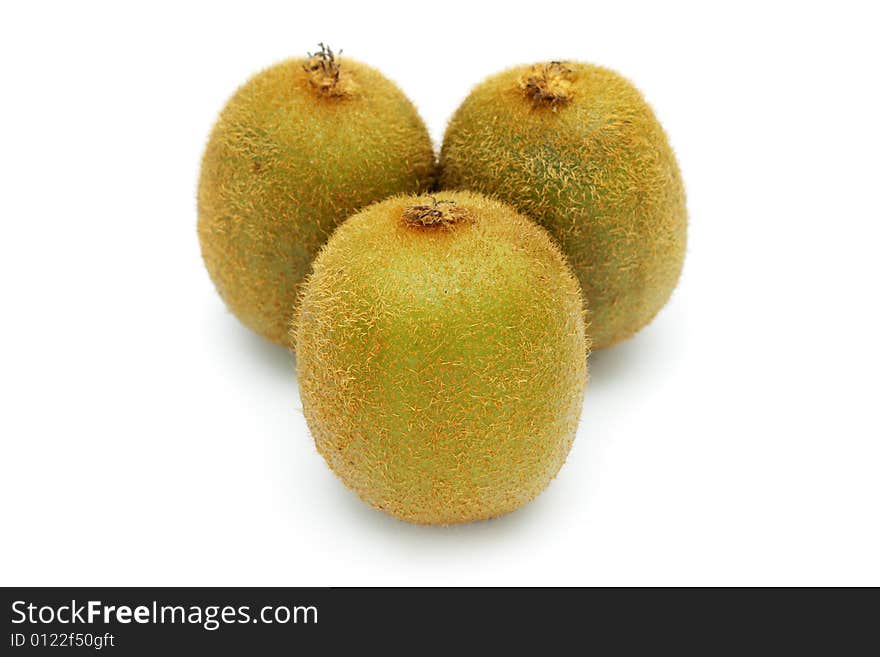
(576, 148)
(298, 148)
(441, 357)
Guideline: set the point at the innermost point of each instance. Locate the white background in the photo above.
(147, 438)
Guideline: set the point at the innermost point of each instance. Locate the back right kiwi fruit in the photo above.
(576, 147)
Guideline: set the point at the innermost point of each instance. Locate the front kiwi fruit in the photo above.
(441, 357)
(576, 148)
(299, 147)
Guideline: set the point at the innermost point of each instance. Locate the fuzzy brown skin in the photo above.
(577, 148)
(441, 357)
(298, 148)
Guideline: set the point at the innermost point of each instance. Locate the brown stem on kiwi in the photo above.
(548, 83)
(325, 74)
(439, 213)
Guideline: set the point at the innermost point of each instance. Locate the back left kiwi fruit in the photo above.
(297, 149)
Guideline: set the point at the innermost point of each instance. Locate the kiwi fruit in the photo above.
(441, 357)
(576, 148)
(298, 148)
